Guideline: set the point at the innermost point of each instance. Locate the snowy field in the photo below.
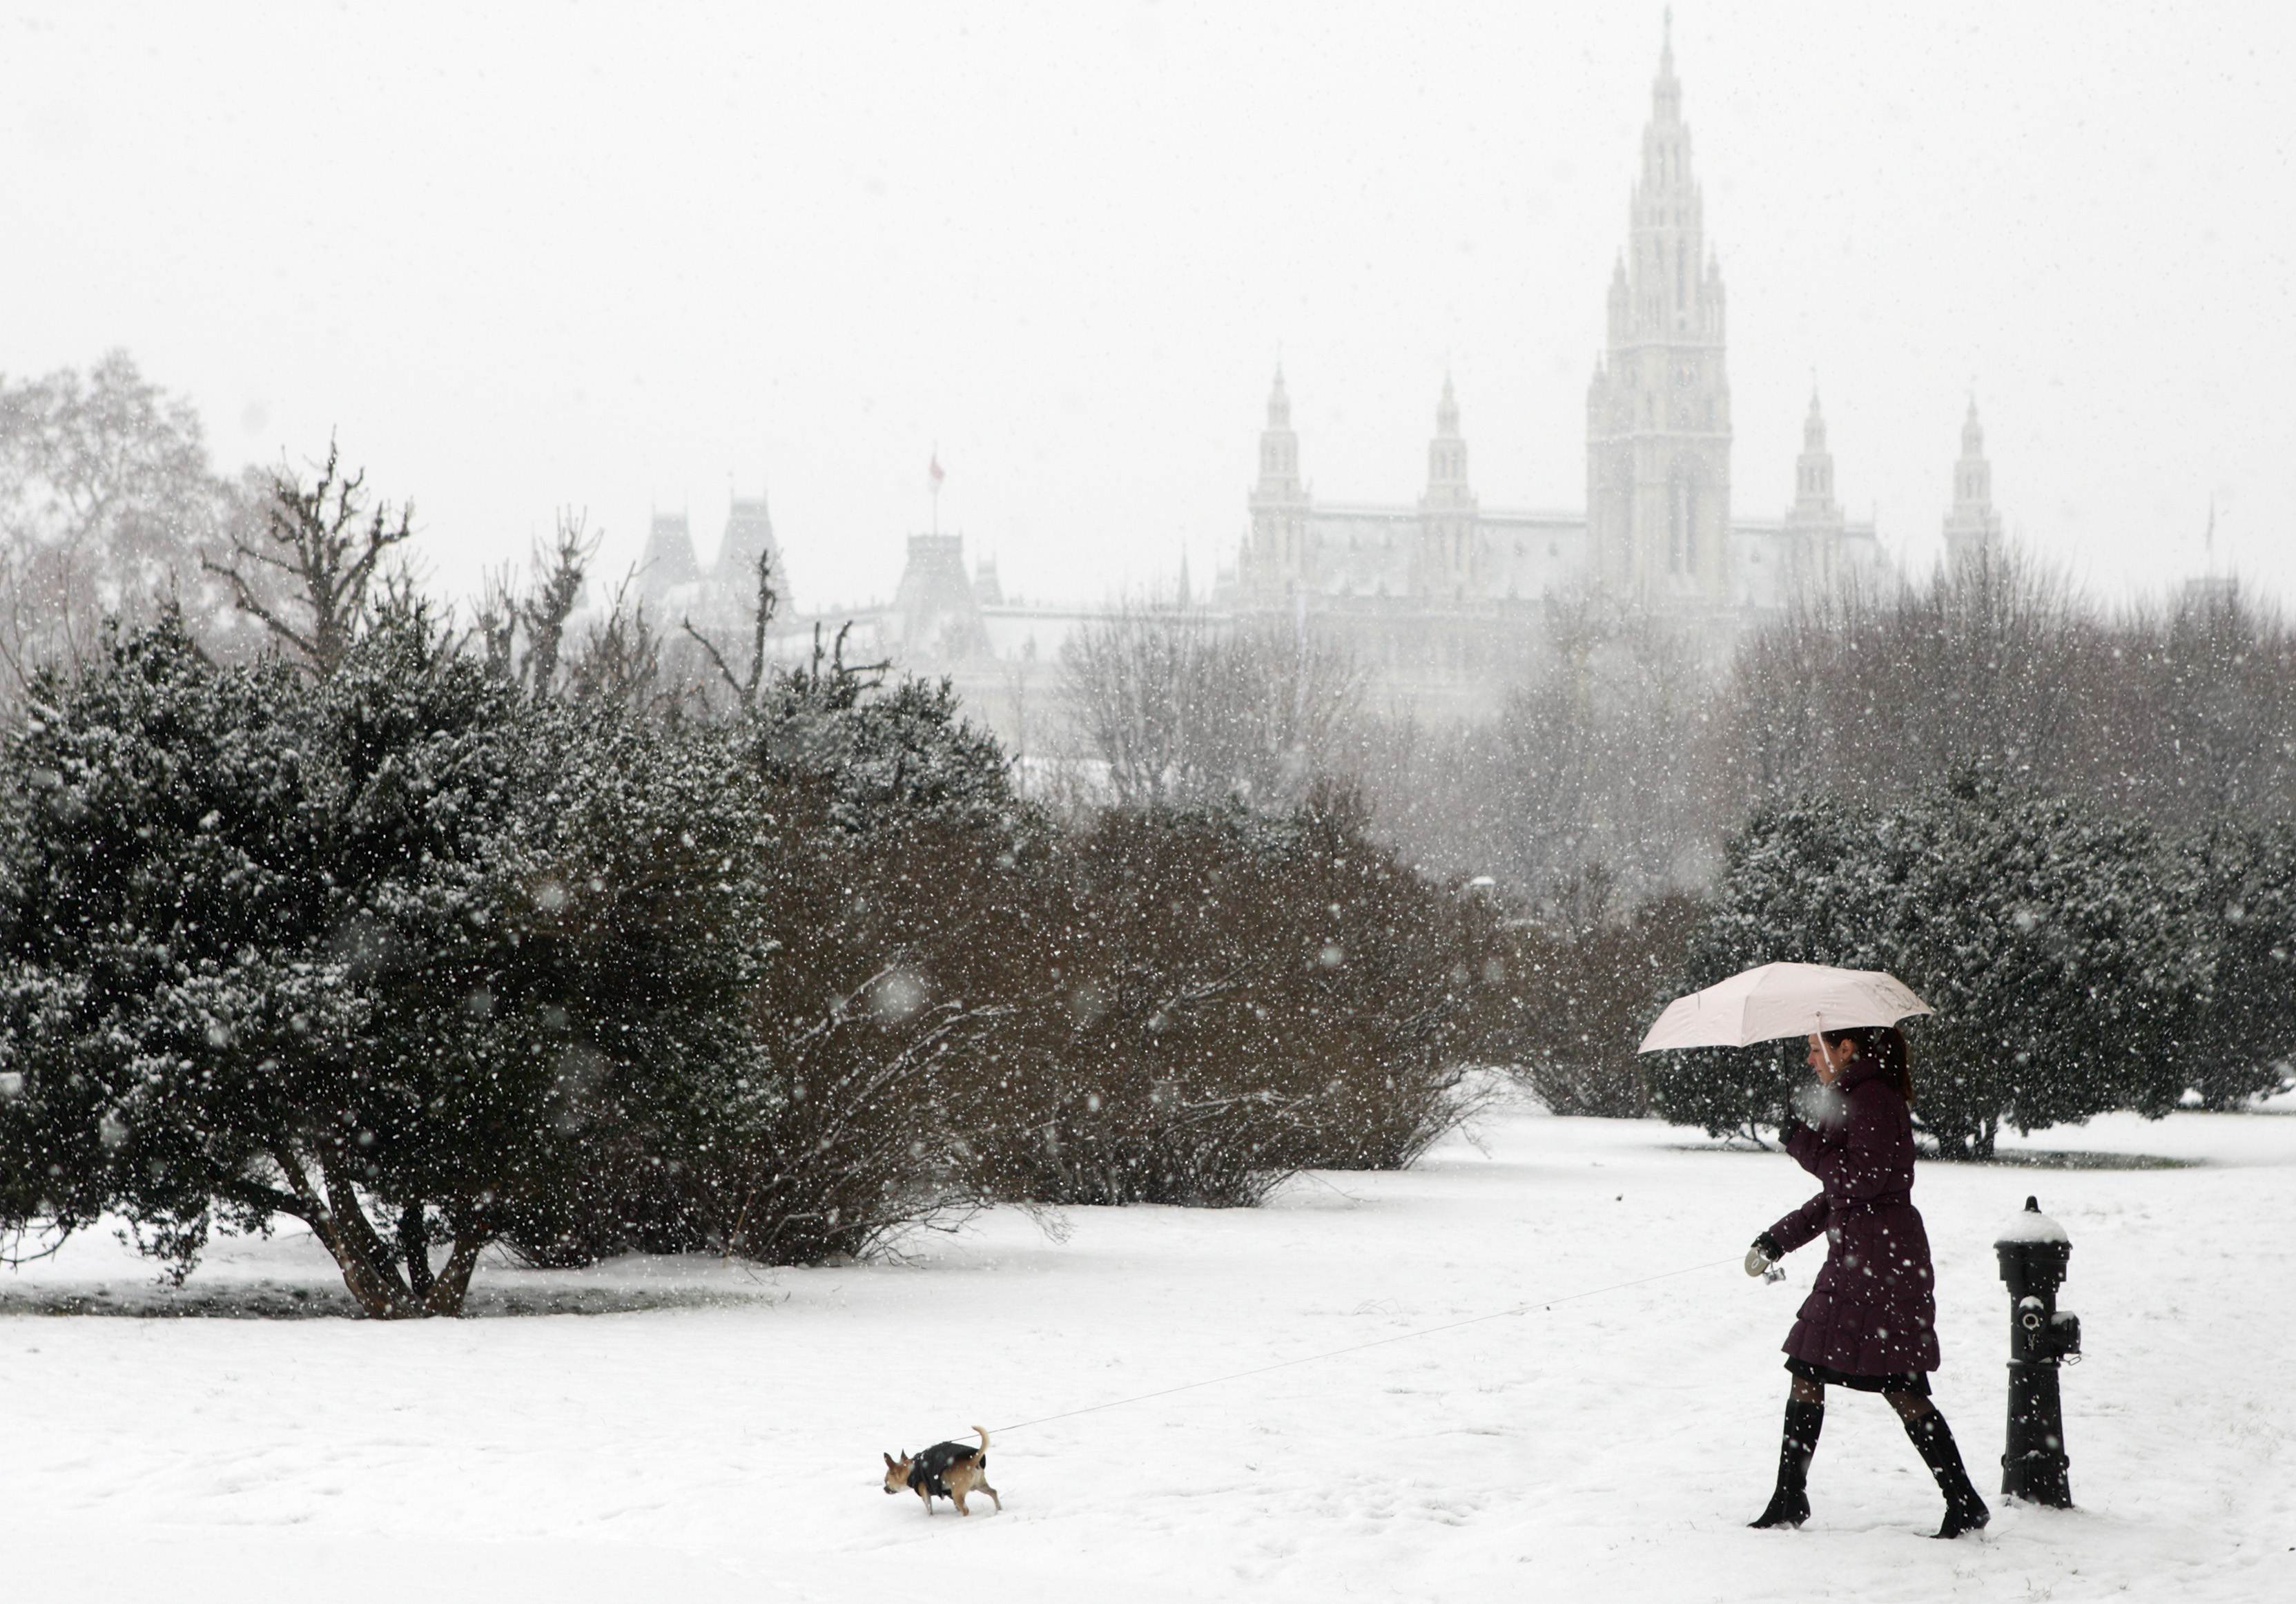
(724, 1445)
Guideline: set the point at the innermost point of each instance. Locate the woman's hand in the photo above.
(1762, 1255)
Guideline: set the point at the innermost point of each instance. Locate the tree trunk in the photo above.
(454, 1283)
(415, 1249)
(370, 1269)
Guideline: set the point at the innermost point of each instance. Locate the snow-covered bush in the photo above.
(1586, 980)
(429, 960)
(356, 952)
(2055, 944)
(2245, 921)
(885, 917)
(1226, 999)
(172, 1002)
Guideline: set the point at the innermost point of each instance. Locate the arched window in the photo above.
(1681, 274)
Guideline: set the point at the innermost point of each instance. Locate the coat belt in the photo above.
(1866, 1205)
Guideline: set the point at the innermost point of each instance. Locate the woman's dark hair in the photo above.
(1885, 1045)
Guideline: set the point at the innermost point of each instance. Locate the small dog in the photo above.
(950, 1470)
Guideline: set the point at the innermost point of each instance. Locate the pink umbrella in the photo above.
(1781, 1000)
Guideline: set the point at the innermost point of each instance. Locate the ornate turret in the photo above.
(748, 535)
(1973, 526)
(1813, 469)
(1658, 411)
(1814, 525)
(1445, 558)
(1276, 560)
(935, 613)
(669, 559)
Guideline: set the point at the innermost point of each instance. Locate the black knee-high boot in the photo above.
(1790, 1504)
(1965, 1511)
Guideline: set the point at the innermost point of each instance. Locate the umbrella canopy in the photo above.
(1781, 1000)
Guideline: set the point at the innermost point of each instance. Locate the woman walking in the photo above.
(1870, 1322)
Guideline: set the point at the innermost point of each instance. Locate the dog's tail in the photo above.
(984, 1437)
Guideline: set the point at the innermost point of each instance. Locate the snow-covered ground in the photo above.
(724, 1445)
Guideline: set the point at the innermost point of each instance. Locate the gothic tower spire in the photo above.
(1813, 469)
(1278, 552)
(1445, 565)
(1814, 525)
(1972, 527)
(1658, 426)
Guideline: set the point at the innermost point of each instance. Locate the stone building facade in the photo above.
(1464, 584)
(1448, 601)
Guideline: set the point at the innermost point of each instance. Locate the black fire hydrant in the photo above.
(2034, 1252)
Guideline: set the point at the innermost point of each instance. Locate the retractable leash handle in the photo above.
(1377, 1342)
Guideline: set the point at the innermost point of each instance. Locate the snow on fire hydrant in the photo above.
(2034, 1251)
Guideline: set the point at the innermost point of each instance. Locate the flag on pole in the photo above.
(934, 471)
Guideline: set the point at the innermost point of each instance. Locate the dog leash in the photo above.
(1376, 1342)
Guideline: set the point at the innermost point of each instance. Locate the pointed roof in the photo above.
(1665, 89)
(748, 535)
(669, 558)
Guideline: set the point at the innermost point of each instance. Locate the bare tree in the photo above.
(496, 619)
(1863, 695)
(506, 616)
(2192, 720)
(762, 617)
(1602, 764)
(1184, 709)
(563, 567)
(107, 503)
(619, 662)
(328, 547)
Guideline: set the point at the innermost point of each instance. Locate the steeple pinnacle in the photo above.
(1973, 525)
(1445, 563)
(1658, 411)
(1814, 471)
(1279, 502)
(1666, 91)
(1447, 454)
(1675, 285)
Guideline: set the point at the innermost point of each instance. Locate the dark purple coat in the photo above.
(1872, 1311)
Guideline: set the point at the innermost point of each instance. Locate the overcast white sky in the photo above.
(623, 256)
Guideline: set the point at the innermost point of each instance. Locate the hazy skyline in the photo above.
(617, 259)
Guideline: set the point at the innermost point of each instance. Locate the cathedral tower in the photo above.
(1658, 411)
(1445, 565)
(1276, 560)
(1973, 526)
(1814, 525)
